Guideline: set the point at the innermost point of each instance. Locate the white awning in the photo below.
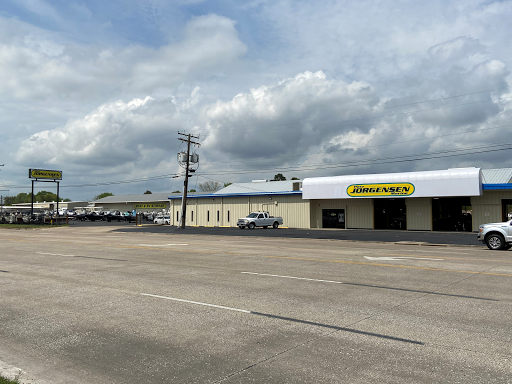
(451, 182)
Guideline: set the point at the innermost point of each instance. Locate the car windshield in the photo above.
(252, 215)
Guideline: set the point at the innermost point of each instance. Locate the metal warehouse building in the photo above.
(453, 199)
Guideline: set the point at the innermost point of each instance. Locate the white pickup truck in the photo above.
(496, 235)
(259, 219)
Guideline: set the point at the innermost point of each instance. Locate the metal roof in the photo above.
(258, 187)
(497, 176)
(218, 195)
(164, 196)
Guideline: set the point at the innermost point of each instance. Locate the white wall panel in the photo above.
(419, 214)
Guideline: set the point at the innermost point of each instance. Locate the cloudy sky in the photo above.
(99, 89)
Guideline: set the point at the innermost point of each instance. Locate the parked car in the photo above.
(162, 220)
(496, 236)
(259, 219)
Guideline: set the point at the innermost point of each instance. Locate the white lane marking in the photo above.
(451, 253)
(398, 258)
(54, 254)
(197, 302)
(159, 245)
(293, 277)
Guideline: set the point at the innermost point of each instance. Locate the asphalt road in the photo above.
(445, 238)
(94, 304)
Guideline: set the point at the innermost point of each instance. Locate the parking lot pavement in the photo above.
(92, 305)
(426, 237)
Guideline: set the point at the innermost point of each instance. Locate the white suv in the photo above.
(496, 235)
(162, 220)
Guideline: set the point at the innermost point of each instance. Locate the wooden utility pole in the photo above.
(185, 184)
(2, 198)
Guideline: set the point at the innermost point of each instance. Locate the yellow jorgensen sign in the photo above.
(372, 190)
(150, 206)
(44, 174)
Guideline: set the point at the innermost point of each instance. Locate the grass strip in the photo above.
(28, 226)
(7, 381)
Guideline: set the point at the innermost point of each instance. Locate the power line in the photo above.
(309, 167)
(348, 113)
(350, 120)
(379, 145)
(425, 156)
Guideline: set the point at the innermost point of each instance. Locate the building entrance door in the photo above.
(507, 209)
(390, 213)
(452, 214)
(333, 218)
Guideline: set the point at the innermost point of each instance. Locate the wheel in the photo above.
(241, 227)
(495, 242)
(275, 225)
(251, 226)
(265, 226)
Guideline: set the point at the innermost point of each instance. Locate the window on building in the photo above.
(208, 216)
(218, 215)
(228, 216)
(191, 215)
(177, 216)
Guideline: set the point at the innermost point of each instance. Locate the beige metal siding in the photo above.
(292, 208)
(359, 213)
(318, 205)
(487, 208)
(419, 213)
(237, 206)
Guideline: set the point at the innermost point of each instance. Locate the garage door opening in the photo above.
(507, 209)
(333, 218)
(452, 214)
(389, 213)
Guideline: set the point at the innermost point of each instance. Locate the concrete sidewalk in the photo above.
(388, 236)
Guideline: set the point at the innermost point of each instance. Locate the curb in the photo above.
(11, 372)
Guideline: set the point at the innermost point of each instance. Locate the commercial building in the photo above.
(142, 203)
(453, 199)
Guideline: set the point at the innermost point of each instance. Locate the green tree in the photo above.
(21, 198)
(175, 191)
(10, 200)
(295, 178)
(227, 184)
(192, 190)
(102, 195)
(279, 177)
(148, 192)
(45, 196)
(39, 197)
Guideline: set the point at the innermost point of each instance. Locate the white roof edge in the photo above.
(454, 173)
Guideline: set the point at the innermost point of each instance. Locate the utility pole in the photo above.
(2, 198)
(187, 163)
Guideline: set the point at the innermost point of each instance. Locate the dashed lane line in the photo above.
(291, 258)
(293, 277)
(196, 302)
(277, 317)
(54, 254)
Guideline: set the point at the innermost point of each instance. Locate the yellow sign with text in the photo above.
(44, 174)
(150, 206)
(376, 190)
